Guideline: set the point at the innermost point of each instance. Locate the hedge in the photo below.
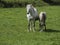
(23, 3)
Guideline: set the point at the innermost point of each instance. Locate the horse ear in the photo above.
(44, 12)
(31, 4)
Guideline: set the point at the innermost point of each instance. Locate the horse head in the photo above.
(28, 8)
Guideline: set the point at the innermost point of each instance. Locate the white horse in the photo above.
(42, 17)
(32, 16)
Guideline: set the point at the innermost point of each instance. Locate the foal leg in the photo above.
(45, 26)
(41, 26)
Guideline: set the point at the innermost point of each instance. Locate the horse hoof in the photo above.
(28, 30)
(41, 30)
(33, 30)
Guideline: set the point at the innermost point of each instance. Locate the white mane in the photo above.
(31, 10)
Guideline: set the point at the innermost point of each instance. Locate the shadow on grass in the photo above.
(52, 30)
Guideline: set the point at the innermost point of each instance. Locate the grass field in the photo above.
(13, 27)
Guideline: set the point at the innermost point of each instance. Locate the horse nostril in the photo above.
(27, 13)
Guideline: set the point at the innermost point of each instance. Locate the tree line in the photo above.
(23, 3)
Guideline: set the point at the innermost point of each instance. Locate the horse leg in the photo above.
(29, 28)
(30, 25)
(33, 26)
(39, 25)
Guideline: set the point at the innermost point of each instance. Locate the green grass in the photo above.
(13, 27)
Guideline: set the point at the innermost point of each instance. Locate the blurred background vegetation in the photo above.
(23, 3)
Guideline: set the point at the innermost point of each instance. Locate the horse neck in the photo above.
(33, 12)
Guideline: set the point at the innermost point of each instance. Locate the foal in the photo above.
(32, 16)
(42, 17)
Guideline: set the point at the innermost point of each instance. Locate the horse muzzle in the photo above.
(27, 13)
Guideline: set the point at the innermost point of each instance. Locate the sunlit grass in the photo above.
(13, 27)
